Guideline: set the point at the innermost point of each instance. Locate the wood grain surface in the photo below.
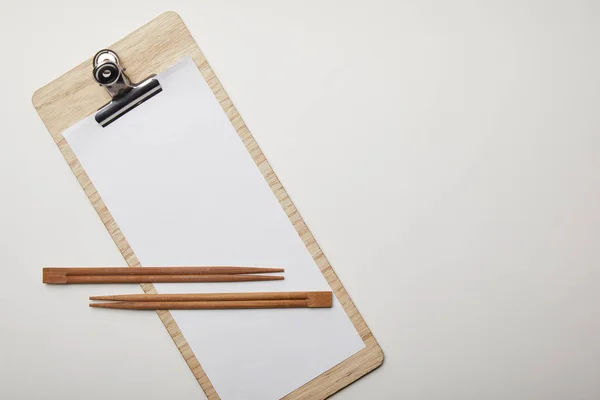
(208, 301)
(151, 49)
(61, 276)
(314, 297)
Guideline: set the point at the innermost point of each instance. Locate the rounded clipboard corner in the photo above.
(36, 98)
(171, 14)
(379, 357)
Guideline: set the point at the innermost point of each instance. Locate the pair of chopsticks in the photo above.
(192, 301)
(59, 275)
(205, 301)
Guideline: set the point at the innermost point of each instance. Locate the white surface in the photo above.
(452, 182)
(182, 187)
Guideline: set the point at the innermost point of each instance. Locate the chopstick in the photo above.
(60, 275)
(206, 301)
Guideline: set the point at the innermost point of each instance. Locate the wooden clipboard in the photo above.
(151, 49)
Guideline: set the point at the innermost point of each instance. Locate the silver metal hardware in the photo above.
(126, 95)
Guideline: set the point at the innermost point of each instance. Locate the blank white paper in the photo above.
(183, 189)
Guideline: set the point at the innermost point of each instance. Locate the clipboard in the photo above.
(149, 50)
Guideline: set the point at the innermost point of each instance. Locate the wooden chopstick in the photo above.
(203, 305)
(165, 278)
(226, 270)
(157, 274)
(206, 301)
(214, 296)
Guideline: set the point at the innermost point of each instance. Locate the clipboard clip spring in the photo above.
(110, 74)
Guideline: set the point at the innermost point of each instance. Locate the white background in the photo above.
(444, 154)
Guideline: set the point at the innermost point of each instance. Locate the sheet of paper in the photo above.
(184, 191)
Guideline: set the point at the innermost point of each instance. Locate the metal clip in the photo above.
(109, 73)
